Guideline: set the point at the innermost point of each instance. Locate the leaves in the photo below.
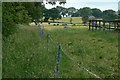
(19, 13)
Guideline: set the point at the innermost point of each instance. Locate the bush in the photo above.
(12, 14)
(85, 19)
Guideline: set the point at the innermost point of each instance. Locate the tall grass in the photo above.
(25, 54)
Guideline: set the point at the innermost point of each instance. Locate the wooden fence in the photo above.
(103, 25)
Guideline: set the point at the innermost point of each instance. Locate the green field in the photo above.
(25, 54)
(75, 20)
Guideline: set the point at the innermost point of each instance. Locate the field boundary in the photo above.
(56, 43)
(75, 61)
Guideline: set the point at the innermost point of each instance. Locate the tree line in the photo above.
(87, 13)
(14, 13)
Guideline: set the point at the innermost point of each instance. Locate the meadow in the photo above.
(75, 20)
(25, 53)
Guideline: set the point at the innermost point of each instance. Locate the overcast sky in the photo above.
(101, 4)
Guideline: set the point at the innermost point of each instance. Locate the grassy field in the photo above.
(75, 20)
(25, 54)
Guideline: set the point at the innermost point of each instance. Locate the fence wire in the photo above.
(74, 60)
(56, 44)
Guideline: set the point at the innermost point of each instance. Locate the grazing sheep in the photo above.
(74, 25)
(67, 26)
(54, 24)
(48, 22)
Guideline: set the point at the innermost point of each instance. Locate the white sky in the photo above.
(101, 4)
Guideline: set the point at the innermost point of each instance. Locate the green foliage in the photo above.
(53, 2)
(86, 11)
(34, 9)
(51, 13)
(63, 11)
(8, 24)
(77, 14)
(108, 11)
(85, 19)
(19, 13)
(13, 13)
(109, 15)
(55, 14)
(96, 13)
(46, 14)
(71, 11)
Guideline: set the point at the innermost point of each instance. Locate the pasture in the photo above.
(25, 54)
(75, 20)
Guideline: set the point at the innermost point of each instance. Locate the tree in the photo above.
(51, 13)
(96, 13)
(77, 14)
(34, 9)
(53, 2)
(63, 11)
(46, 14)
(86, 11)
(12, 14)
(85, 19)
(110, 16)
(108, 11)
(55, 14)
(71, 11)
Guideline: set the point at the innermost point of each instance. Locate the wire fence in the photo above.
(80, 66)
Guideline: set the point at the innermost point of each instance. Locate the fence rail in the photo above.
(102, 24)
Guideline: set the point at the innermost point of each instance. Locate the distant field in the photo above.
(67, 20)
(25, 54)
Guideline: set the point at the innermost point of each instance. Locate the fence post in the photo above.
(96, 25)
(40, 28)
(100, 26)
(58, 61)
(42, 32)
(92, 24)
(104, 26)
(47, 41)
(89, 24)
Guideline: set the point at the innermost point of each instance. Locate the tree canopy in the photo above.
(55, 14)
(109, 15)
(19, 13)
(96, 12)
(12, 14)
(63, 11)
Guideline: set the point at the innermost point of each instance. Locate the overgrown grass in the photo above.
(25, 54)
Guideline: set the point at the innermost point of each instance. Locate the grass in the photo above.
(0, 54)
(25, 54)
(75, 20)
